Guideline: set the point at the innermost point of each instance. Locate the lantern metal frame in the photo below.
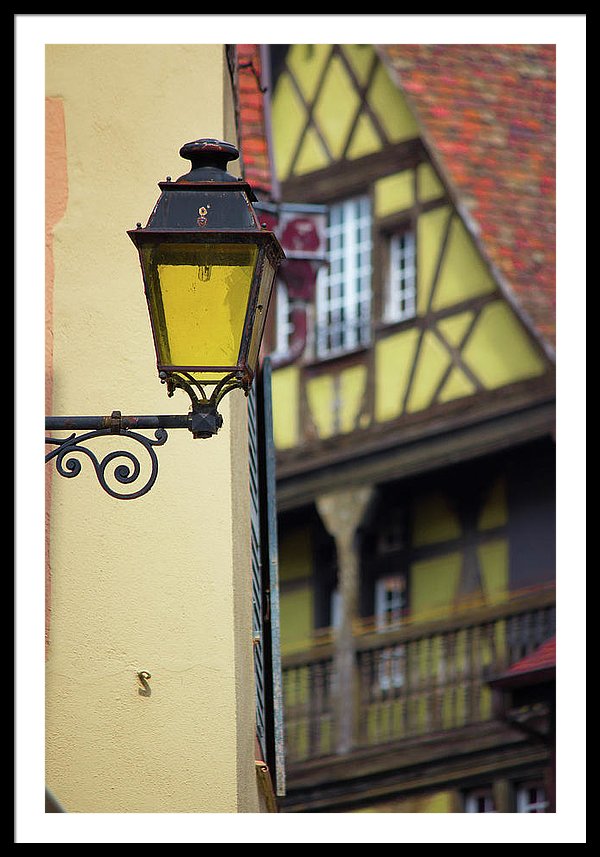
(184, 214)
(209, 206)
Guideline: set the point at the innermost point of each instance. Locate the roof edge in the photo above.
(465, 215)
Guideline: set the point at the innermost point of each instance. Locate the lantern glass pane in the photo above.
(264, 294)
(199, 300)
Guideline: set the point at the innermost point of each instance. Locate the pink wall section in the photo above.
(56, 203)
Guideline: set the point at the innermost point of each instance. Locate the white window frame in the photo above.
(390, 601)
(472, 800)
(283, 321)
(400, 302)
(524, 804)
(343, 296)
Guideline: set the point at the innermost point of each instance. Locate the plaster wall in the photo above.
(161, 583)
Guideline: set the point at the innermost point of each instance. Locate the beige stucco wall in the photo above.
(161, 583)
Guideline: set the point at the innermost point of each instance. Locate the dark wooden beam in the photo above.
(435, 763)
(411, 447)
(343, 178)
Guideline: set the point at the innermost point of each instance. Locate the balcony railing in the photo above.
(420, 678)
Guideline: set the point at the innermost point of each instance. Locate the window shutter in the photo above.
(257, 587)
(265, 583)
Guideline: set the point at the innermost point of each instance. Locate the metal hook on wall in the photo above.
(143, 677)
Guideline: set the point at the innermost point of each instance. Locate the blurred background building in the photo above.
(412, 341)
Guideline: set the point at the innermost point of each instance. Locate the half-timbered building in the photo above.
(412, 345)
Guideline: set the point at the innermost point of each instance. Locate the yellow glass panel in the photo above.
(260, 316)
(204, 303)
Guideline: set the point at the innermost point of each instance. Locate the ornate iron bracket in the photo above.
(124, 465)
(203, 421)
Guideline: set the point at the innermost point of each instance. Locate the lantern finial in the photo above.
(209, 160)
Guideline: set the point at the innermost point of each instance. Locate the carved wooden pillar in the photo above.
(503, 797)
(342, 514)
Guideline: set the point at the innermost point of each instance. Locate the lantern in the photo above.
(208, 268)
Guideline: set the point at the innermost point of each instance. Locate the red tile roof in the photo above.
(542, 658)
(537, 667)
(487, 113)
(253, 134)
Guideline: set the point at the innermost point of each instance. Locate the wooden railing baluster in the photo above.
(413, 680)
(476, 675)
(428, 683)
(316, 708)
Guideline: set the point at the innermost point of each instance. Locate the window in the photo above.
(336, 609)
(390, 604)
(390, 601)
(344, 287)
(531, 797)
(400, 279)
(480, 800)
(391, 533)
(283, 321)
(392, 664)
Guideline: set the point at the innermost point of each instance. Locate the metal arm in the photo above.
(126, 469)
(203, 421)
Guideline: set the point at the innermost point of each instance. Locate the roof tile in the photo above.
(542, 658)
(488, 116)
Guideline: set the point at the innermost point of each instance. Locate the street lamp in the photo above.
(208, 268)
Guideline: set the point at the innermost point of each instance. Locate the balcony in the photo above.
(420, 679)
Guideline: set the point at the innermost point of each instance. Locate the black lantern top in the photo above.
(209, 160)
(207, 197)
